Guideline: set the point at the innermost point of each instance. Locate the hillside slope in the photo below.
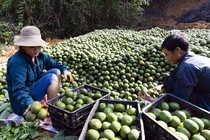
(172, 14)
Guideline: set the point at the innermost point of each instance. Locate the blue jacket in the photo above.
(22, 73)
(193, 80)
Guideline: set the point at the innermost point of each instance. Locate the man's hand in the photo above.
(145, 96)
(68, 76)
(158, 88)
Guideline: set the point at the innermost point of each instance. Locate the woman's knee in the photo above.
(58, 73)
(54, 71)
(55, 78)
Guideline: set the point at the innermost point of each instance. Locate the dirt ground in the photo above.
(166, 14)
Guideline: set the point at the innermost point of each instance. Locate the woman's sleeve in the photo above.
(51, 63)
(20, 93)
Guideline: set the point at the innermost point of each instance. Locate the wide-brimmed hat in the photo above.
(29, 36)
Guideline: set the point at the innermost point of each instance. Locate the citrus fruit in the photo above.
(90, 94)
(70, 107)
(70, 93)
(191, 125)
(107, 110)
(165, 116)
(110, 106)
(35, 107)
(133, 134)
(171, 129)
(197, 137)
(181, 135)
(206, 123)
(124, 131)
(152, 115)
(134, 127)
(109, 134)
(117, 138)
(68, 100)
(84, 91)
(88, 100)
(1, 103)
(111, 117)
(174, 106)
(115, 126)
(199, 122)
(135, 118)
(81, 96)
(95, 124)
(92, 134)
(156, 111)
(127, 120)
(102, 106)
(30, 116)
(184, 130)
(131, 111)
(164, 106)
(97, 95)
(187, 113)
(175, 121)
(77, 106)
(119, 107)
(79, 101)
(163, 124)
(60, 104)
(101, 116)
(106, 125)
(42, 114)
(182, 116)
(119, 115)
(206, 134)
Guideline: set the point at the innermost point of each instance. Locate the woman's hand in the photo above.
(27, 109)
(68, 76)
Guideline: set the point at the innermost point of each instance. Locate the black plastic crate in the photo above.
(134, 104)
(72, 122)
(154, 130)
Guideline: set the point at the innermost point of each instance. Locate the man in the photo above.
(191, 78)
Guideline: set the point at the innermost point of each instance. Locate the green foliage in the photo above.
(88, 15)
(66, 18)
(5, 5)
(23, 131)
(7, 30)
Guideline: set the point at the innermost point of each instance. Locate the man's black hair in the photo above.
(175, 40)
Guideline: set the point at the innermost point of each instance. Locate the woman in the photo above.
(31, 74)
